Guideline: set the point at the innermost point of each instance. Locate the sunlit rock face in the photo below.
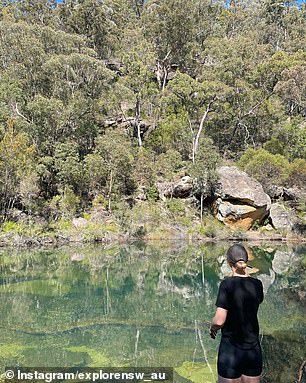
(241, 200)
(79, 222)
(237, 215)
(183, 188)
(179, 189)
(282, 218)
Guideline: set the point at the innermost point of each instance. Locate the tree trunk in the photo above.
(159, 75)
(165, 68)
(137, 120)
(165, 75)
(108, 302)
(110, 190)
(197, 139)
(203, 271)
(193, 139)
(202, 197)
(137, 8)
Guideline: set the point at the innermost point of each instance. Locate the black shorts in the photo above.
(234, 361)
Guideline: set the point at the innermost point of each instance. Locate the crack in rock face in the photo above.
(241, 199)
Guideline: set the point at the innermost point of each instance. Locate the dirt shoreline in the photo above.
(9, 240)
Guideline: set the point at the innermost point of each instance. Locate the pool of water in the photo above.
(143, 304)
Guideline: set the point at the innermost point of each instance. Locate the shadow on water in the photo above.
(144, 305)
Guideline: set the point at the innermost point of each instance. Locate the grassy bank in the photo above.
(166, 220)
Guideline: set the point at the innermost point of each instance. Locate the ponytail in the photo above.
(240, 265)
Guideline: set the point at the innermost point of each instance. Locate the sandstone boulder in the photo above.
(79, 222)
(238, 185)
(99, 214)
(241, 200)
(282, 218)
(141, 194)
(178, 189)
(165, 189)
(183, 188)
(287, 194)
(237, 215)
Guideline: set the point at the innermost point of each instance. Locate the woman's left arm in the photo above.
(218, 321)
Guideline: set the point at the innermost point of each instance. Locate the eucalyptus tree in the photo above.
(203, 171)
(138, 77)
(168, 24)
(109, 167)
(76, 76)
(191, 103)
(285, 24)
(41, 12)
(92, 19)
(17, 162)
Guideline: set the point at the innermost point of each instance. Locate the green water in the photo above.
(143, 305)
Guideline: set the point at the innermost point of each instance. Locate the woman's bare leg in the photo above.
(250, 379)
(226, 380)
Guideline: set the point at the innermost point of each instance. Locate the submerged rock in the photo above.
(281, 261)
(240, 200)
(267, 280)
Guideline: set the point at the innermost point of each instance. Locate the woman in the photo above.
(239, 357)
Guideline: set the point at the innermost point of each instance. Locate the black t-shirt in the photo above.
(241, 296)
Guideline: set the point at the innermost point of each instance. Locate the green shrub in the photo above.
(152, 193)
(185, 221)
(176, 207)
(140, 232)
(267, 168)
(274, 146)
(211, 227)
(99, 200)
(209, 230)
(87, 216)
(62, 224)
(293, 136)
(10, 226)
(168, 164)
(297, 173)
(64, 205)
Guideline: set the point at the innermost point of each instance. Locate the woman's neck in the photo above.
(242, 273)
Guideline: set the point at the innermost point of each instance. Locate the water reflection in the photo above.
(142, 305)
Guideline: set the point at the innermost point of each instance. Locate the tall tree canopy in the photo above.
(96, 96)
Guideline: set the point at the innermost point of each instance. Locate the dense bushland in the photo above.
(100, 99)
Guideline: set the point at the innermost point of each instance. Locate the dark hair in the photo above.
(237, 256)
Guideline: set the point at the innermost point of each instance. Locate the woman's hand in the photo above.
(213, 331)
(218, 321)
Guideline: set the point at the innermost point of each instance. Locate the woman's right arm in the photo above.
(221, 312)
(218, 321)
